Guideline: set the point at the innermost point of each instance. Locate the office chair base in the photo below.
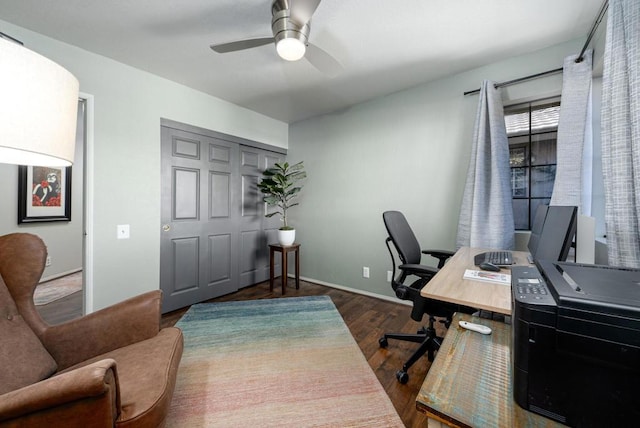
(402, 376)
(429, 344)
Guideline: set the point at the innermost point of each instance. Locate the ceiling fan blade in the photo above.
(321, 60)
(302, 10)
(241, 45)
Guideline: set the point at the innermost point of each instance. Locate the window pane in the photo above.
(545, 118)
(520, 182)
(518, 140)
(518, 156)
(543, 148)
(542, 178)
(521, 214)
(532, 133)
(517, 123)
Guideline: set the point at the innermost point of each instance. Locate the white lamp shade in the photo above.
(38, 109)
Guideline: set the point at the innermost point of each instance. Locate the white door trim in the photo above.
(88, 204)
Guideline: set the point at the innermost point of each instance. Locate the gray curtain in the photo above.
(486, 215)
(574, 170)
(621, 132)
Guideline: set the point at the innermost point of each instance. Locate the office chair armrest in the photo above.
(418, 270)
(441, 255)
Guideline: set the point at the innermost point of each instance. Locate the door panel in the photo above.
(185, 258)
(221, 265)
(257, 231)
(250, 246)
(220, 199)
(186, 148)
(251, 218)
(220, 261)
(250, 198)
(199, 222)
(186, 188)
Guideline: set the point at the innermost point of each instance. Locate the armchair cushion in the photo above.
(146, 377)
(23, 358)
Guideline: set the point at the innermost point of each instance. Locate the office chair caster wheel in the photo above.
(402, 376)
(383, 342)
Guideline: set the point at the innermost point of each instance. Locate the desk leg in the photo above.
(271, 269)
(284, 271)
(297, 268)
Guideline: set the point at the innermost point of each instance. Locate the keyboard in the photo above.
(498, 258)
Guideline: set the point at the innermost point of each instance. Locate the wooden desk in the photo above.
(449, 286)
(469, 383)
(284, 249)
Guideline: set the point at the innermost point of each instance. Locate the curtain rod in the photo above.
(596, 23)
(520, 79)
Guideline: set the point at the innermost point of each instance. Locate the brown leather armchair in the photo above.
(111, 368)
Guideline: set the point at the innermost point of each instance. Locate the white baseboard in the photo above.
(354, 290)
(59, 275)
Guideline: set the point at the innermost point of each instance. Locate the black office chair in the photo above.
(408, 250)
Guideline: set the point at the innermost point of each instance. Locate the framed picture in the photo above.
(44, 194)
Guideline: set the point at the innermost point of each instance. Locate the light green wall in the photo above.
(408, 151)
(128, 106)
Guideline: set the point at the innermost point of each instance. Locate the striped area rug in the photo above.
(288, 362)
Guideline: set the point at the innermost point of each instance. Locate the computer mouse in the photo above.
(489, 266)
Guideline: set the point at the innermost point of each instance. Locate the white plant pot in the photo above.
(286, 237)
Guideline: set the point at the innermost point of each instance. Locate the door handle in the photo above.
(166, 227)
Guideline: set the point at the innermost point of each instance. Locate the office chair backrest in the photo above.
(402, 237)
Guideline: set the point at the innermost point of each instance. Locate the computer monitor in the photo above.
(557, 233)
(552, 233)
(536, 228)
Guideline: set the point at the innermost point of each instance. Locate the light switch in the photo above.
(123, 231)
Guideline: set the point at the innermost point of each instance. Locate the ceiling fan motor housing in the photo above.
(283, 27)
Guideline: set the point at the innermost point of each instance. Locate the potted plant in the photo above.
(279, 187)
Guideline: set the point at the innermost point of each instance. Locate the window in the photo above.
(532, 133)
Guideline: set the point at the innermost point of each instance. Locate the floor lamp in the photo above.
(38, 108)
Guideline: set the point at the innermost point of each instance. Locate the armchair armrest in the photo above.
(441, 255)
(122, 324)
(91, 391)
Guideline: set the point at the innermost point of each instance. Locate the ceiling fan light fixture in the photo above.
(291, 37)
(290, 49)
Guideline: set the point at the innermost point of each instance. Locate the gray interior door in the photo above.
(199, 214)
(256, 231)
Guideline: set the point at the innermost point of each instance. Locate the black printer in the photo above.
(576, 342)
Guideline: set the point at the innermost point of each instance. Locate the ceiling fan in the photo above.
(290, 24)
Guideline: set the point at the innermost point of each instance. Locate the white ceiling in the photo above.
(384, 46)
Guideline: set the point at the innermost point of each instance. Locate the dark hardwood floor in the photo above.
(367, 318)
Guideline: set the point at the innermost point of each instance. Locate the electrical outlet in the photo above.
(48, 262)
(365, 272)
(389, 276)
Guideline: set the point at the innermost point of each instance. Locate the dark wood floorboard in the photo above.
(367, 318)
(62, 310)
